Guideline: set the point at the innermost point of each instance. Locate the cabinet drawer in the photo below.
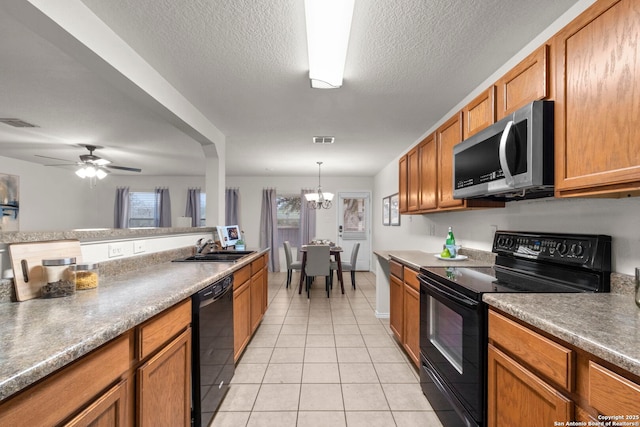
(411, 278)
(541, 354)
(257, 265)
(49, 402)
(396, 269)
(612, 394)
(154, 333)
(241, 276)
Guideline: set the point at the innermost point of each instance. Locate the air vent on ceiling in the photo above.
(17, 123)
(324, 139)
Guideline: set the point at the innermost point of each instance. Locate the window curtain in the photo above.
(163, 207)
(193, 206)
(121, 209)
(307, 221)
(269, 227)
(232, 206)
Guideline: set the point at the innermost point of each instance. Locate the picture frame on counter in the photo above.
(394, 209)
(386, 210)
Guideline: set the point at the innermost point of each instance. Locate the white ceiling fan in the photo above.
(91, 163)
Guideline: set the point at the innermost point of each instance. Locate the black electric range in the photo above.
(453, 318)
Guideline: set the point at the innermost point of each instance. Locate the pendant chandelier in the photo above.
(319, 200)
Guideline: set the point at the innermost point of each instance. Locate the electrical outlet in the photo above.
(116, 250)
(139, 246)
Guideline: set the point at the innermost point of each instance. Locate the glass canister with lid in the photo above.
(59, 275)
(86, 275)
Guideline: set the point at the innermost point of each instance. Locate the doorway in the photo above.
(354, 226)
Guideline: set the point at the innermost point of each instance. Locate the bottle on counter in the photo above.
(59, 276)
(450, 243)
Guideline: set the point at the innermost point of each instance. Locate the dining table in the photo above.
(334, 251)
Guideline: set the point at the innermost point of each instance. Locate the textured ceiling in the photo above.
(243, 65)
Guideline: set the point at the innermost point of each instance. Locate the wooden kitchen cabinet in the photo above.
(396, 299)
(411, 314)
(107, 411)
(532, 375)
(526, 82)
(428, 173)
(479, 113)
(597, 104)
(403, 185)
(516, 396)
(164, 385)
(448, 135)
(258, 292)
(404, 307)
(413, 180)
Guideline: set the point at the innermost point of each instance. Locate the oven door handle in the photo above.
(466, 302)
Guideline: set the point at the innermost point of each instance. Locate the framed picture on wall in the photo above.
(386, 211)
(394, 209)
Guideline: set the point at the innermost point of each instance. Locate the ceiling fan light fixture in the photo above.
(328, 27)
(81, 173)
(100, 173)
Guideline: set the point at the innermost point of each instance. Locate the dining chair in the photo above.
(318, 264)
(291, 264)
(349, 265)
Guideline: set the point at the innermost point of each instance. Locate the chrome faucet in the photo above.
(200, 247)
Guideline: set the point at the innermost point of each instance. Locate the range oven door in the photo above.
(453, 349)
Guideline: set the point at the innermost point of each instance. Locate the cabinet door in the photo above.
(448, 135)
(265, 286)
(396, 306)
(257, 299)
(528, 81)
(516, 396)
(413, 180)
(107, 411)
(596, 111)
(164, 385)
(412, 323)
(479, 113)
(428, 173)
(403, 190)
(241, 317)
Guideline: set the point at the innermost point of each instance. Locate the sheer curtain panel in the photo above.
(121, 208)
(232, 206)
(269, 227)
(163, 207)
(193, 206)
(307, 221)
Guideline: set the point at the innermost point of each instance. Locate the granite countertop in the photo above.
(417, 259)
(605, 325)
(40, 336)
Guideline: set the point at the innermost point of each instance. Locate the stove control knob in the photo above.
(561, 248)
(577, 249)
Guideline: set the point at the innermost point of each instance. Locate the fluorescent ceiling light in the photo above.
(328, 27)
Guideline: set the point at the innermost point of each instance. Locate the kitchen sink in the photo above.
(216, 256)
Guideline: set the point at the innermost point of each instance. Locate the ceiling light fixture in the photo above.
(319, 200)
(328, 27)
(92, 172)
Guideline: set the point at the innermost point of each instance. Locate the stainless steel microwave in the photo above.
(510, 160)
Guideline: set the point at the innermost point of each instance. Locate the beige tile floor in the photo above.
(324, 362)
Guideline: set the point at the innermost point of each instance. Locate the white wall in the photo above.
(54, 198)
(251, 200)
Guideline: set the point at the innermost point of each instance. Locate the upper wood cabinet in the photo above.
(528, 81)
(413, 180)
(403, 190)
(448, 135)
(428, 171)
(597, 70)
(479, 113)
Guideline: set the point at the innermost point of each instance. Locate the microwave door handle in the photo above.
(502, 152)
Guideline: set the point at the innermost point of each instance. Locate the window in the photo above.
(288, 214)
(142, 209)
(203, 209)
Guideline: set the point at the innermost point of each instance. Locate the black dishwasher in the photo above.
(212, 353)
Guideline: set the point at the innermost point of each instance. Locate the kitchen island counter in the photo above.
(40, 336)
(606, 325)
(417, 259)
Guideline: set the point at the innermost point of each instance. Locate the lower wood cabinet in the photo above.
(141, 378)
(250, 299)
(534, 376)
(404, 316)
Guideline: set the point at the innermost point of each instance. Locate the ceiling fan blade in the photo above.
(53, 158)
(63, 164)
(123, 168)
